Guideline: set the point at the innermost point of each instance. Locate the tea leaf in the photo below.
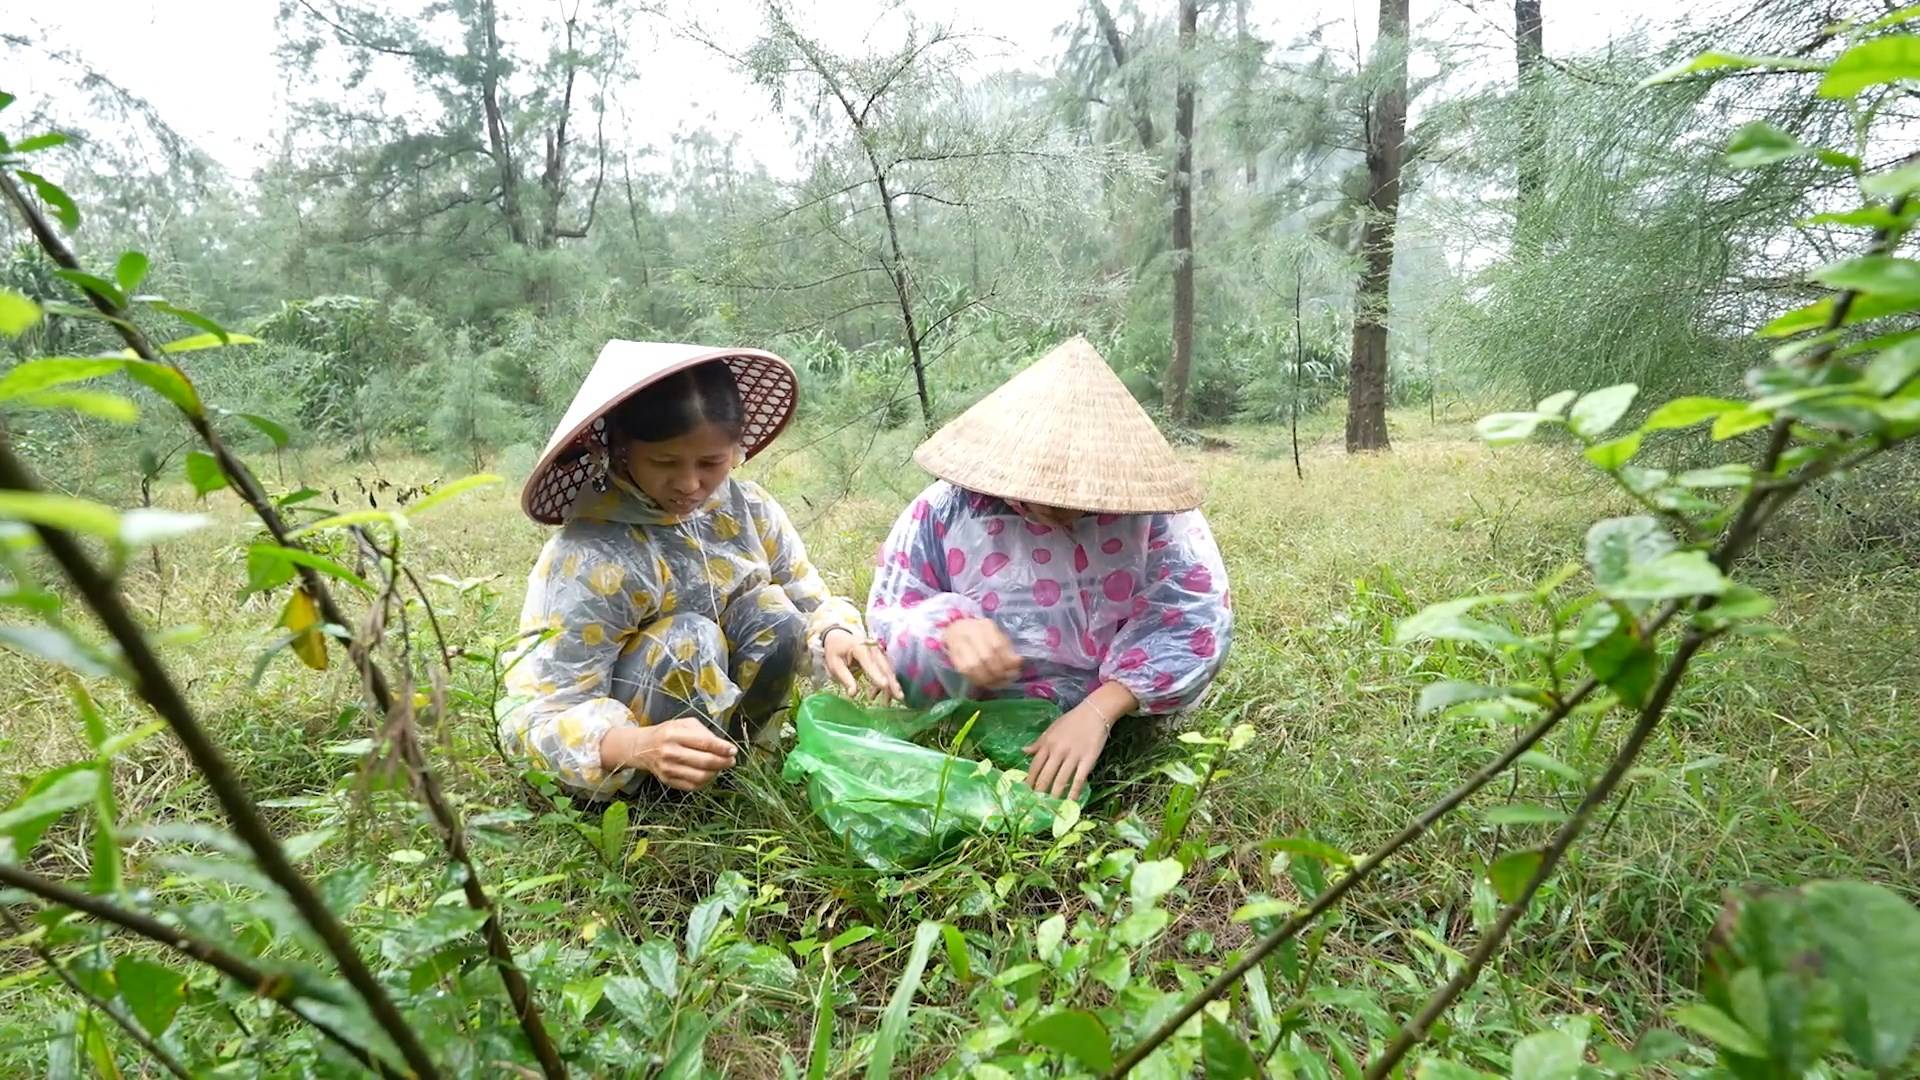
(1548, 1055)
(153, 992)
(1511, 872)
(204, 472)
(1153, 880)
(1598, 411)
(1077, 1034)
(1889, 59)
(1223, 1053)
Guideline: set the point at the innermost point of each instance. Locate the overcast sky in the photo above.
(209, 66)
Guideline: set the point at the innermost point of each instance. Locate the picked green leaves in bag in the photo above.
(897, 804)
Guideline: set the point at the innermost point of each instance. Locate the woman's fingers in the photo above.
(968, 661)
(1064, 775)
(838, 672)
(688, 779)
(695, 746)
(686, 757)
(1046, 766)
(879, 672)
(1080, 777)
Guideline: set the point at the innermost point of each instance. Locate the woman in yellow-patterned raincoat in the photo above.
(668, 618)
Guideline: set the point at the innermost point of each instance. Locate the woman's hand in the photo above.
(1067, 752)
(981, 652)
(845, 652)
(683, 754)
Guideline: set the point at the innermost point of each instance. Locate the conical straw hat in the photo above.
(1064, 432)
(768, 392)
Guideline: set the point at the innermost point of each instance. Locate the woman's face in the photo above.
(681, 474)
(1050, 515)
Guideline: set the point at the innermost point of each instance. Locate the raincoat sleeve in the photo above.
(583, 603)
(912, 597)
(1172, 648)
(796, 575)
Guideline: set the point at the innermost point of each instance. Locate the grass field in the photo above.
(1787, 758)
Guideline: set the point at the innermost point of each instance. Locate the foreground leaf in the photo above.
(1500, 429)
(1223, 1053)
(1880, 60)
(301, 618)
(1450, 692)
(1524, 814)
(153, 992)
(169, 383)
(1075, 1033)
(204, 473)
(1548, 1055)
(1510, 873)
(893, 1024)
(18, 314)
(1153, 880)
(60, 512)
(1684, 412)
(1720, 1029)
(1720, 62)
(1595, 413)
(197, 342)
(1616, 545)
(53, 371)
(453, 491)
(51, 193)
(1869, 941)
(1679, 575)
(51, 797)
(98, 404)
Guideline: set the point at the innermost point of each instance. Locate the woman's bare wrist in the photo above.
(620, 747)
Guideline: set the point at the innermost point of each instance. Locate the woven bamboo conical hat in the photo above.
(1064, 432)
(768, 392)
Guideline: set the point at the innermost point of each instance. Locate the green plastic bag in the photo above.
(896, 804)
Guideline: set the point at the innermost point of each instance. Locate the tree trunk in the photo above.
(498, 143)
(1180, 370)
(1130, 78)
(1386, 134)
(553, 179)
(1244, 65)
(897, 273)
(1529, 55)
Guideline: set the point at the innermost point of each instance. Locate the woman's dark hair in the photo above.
(681, 402)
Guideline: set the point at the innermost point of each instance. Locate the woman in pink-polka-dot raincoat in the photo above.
(1110, 614)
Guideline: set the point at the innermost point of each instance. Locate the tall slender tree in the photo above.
(1530, 60)
(1386, 131)
(1132, 77)
(1180, 368)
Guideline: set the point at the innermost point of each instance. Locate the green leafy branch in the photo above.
(311, 609)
